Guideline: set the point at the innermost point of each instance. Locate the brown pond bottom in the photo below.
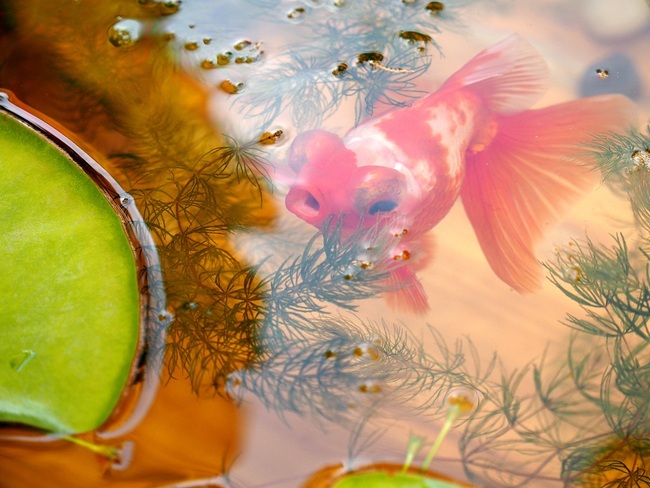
(183, 437)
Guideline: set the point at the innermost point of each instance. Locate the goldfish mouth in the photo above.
(303, 203)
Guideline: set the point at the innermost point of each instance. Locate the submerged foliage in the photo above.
(590, 411)
(191, 210)
(364, 54)
(584, 420)
(318, 362)
(581, 420)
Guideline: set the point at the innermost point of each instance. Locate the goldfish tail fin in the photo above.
(509, 76)
(529, 174)
(405, 292)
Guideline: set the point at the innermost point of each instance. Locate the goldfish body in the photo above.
(473, 138)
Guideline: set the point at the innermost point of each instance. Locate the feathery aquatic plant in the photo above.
(589, 413)
(361, 54)
(579, 420)
(216, 300)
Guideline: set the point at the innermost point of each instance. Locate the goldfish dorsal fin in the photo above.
(529, 175)
(509, 76)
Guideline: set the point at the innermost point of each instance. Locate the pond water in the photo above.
(300, 338)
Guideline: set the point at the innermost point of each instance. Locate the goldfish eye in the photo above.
(382, 206)
(377, 189)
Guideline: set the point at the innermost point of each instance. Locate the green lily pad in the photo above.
(385, 480)
(69, 294)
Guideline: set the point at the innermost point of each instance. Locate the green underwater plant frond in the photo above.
(389, 83)
(586, 421)
(614, 153)
(624, 160)
(191, 208)
(301, 84)
(346, 369)
(246, 161)
(604, 283)
(316, 362)
(368, 53)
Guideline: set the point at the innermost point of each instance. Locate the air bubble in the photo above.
(169, 7)
(369, 388)
(574, 274)
(297, 14)
(125, 199)
(222, 59)
(231, 88)
(464, 400)
(340, 70)
(435, 8)
(616, 73)
(165, 318)
(270, 138)
(602, 73)
(209, 63)
(233, 384)
(413, 36)
(370, 57)
(242, 44)
(641, 159)
(369, 351)
(125, 32)
(164, 7)
(405, 255)
(124, 456)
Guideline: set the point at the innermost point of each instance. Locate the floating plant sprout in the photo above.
(459, 403)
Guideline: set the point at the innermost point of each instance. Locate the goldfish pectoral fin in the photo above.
(509, 76)
(529, 175)
(422, 250)
(405, 292)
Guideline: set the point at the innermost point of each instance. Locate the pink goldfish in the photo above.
(474, 138)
